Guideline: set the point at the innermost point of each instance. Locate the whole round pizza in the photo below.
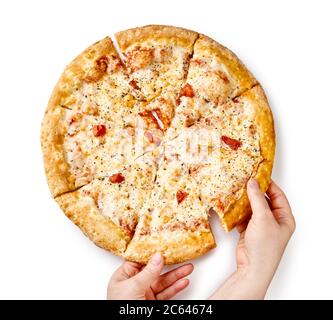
(147, 136)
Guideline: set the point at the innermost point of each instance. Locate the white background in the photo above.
(288, 46)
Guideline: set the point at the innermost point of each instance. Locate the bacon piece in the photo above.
(130, 130)
(191, 225)
(139, 58)
(99, 130)
(197, 223)
(181, 195)
(76, 117)
(163, 118)
(222, 76)
(157, 141)
(117, 64)
(100, 67)
(198, 62)
(186, 91)
(102, 64)
(165, 54)
(128, 227)
(134, 85)
(152, 139)
(149, 114)
(116, 178)
(232, 143)
(149, 136)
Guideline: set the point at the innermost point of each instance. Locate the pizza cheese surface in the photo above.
(143, 143)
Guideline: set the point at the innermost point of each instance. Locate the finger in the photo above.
(257, 199)
(171, 291)
(280, 205)
(277, 197)
(167, 279)
(127, 270)
(151, 271)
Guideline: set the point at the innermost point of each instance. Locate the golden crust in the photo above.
(241, 209)
(78, 70)
(136, 36)
(101, 230)
(55, 165)
(52, 130)
(207, 46)
(175, 249)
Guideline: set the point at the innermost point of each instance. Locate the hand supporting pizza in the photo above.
(141, 147)
(132, 281)
(262, 242)
(263, 239)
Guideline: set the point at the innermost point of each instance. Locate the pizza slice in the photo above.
(107, 209)
(92, 122)
(215, 76)
(230, 126)
(174, 220)
(80, 148)
(76, 104)
(94, 82)
(157, 58)
(82, 209)
(222, 180)
(246, 150)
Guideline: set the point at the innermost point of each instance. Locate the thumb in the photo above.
(257, 199)
(151, 271)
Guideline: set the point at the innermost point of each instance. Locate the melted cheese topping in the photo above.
(157, 67)
(122, 201)
(178, 155)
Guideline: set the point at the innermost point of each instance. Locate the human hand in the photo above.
(132, 281)
(262, 242)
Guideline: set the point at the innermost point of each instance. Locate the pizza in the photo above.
(144, 139)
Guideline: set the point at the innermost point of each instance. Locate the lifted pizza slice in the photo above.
(246, 150)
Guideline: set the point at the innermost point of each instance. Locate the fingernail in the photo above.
(156, 259)
(253, 184)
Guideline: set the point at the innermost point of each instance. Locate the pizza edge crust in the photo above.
(174, 250)
(98, 228)
(226, 57)
(55, 165)
(240, 210)
(138, 35)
